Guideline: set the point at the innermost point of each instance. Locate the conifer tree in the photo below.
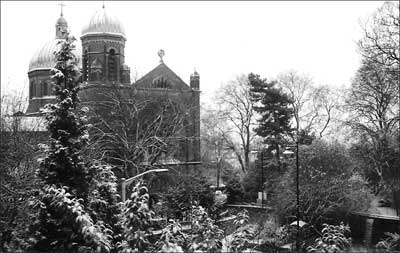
(64, 221)
(273, 106)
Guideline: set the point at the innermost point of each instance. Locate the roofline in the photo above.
(33, 114)
(166, 90)
(34, 69)
(44, 97)
(162, 63)
(103, 33)
(49, 68)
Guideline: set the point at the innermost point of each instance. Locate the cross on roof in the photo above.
(61, 5)
(161, 54)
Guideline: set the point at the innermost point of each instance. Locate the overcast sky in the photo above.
(219, 39)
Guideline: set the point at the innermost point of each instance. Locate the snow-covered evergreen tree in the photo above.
(73, 204)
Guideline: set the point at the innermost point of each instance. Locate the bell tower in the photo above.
(103, 49)
(61, 25)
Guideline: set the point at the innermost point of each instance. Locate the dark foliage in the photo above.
(252, 183)
(64, 221)
(187, 190)
(137, 220)
(235, 191)
(274, 107)
(328, 187)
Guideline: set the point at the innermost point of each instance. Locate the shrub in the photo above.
(390, 243)
(240, 239)
(188, 189)
(328, 187)
(137, 221)
(252, 183)
(203, 236)
(172, 239)
(334, 239)
(104, 200)
(235, 191)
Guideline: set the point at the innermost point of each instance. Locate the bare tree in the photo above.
(380, 43)
(12, 105)
(132, 129)
(298, 87)
(326, 102)
(216, 150)
(314, 106)
(18, 150)
(374, 105)
(135, 75)
(235, 109)
(374, 98)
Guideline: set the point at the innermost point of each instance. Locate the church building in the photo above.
(101, 58)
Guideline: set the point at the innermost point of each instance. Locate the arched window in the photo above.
(96, 70)
(161, 82)
(112, 65)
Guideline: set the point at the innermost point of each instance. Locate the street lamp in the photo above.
(127, 182)
(218, 163)
(260, 155)
(289, 152)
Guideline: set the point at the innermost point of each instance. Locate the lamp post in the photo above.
(298, 196)
(262, 176)
(289, 152)
(127, 182)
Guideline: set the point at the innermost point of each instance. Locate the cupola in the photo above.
(103, 22)
(103, 45)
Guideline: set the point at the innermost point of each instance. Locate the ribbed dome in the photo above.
(44, 58)
(103, 22)
(62, 21)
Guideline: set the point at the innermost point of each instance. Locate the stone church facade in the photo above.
(101, 58)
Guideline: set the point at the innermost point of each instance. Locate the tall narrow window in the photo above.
(38, 90)
(86, 66)
(44, 88)
(31, 90)
(50, 88)
(112, 66)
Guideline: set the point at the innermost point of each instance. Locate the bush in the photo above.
(252, 183)
(137, 221)
(188, 189)
(235, 191)
(203, 236)
(328, 187)
(172, 239)
(266, 178)
(334, 239)
(390, 243)
(239, 240)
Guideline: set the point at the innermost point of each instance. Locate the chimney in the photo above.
(195, 81)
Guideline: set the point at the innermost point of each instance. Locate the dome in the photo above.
(44, 58)
(61, 21)
(103, 22)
